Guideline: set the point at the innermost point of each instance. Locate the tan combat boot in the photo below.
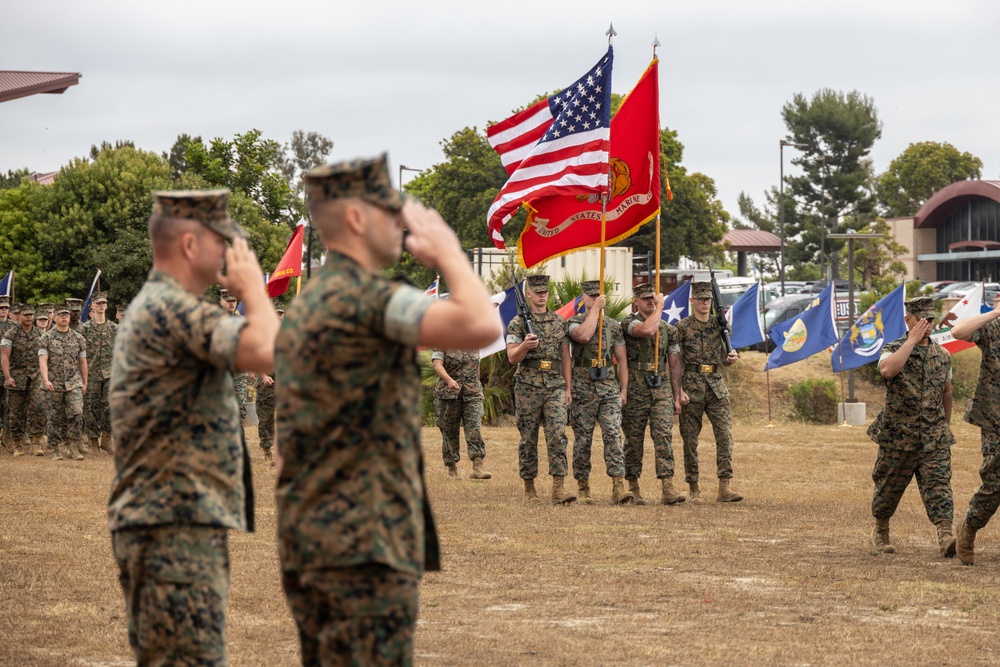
(20, 447)
(725, 494)
(453, 471)
(530, 495)
(667, 495)
(57, 453)
(37, 446)
(633, 487)
(107, 444)
(965, 545)
(73, 449)
(477, 470)
(879, 540)
(559, 494)
(6, 444)
(619, 496)
(694, 492)
(82, 445)
(946, 541)
(583, 493)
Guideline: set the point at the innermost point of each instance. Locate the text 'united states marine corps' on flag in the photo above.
(557, 146)
(558, 225)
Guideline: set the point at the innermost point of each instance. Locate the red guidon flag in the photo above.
(289, 267)
(559, 225)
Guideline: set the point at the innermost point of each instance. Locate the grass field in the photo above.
(783, 578)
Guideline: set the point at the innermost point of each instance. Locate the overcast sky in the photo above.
(402, 76)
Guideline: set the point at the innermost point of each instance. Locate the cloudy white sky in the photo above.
(401, 76)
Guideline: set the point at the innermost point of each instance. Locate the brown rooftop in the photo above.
(751, 240)
(14, 84)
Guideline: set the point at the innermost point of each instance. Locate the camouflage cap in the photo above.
(121, 307)
(63, 308)
(367, 179)
(72, 304)
(701, 290)
(4, 302)
(42, 315)
(226, 296)
(591, 287)
(278, 306)
(643, 291)
(25, 309)
(537, 283)
(15, 309)
(921, 307)
(206, 206)
(47, 307)
(100, 297)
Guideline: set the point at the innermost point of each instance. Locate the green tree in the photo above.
(13, 177)
(920, 171)
(20, 250)
(875, 260)
(838, 131)
(177, 157)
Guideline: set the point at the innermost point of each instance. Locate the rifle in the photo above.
(522, 309)
(719, 315)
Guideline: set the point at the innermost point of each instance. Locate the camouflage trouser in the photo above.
(895, 468)
(451, 414)
(641, 408)
(176, 585)
(96, 410)
(986, 499)
(242, 383)
(27, 411)
(65, 416)
(265, 415)
(535, 406)
(363, 615)
(594, 403)
(721, 419)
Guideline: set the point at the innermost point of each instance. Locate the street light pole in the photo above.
(781, 203)
(822, 222)
(403, 168)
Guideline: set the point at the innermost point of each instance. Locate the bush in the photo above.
(815, 400)
(965, 373)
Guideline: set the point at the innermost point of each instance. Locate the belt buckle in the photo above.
(706, 368)
(597, 363)
(545, 365)
(651, 367)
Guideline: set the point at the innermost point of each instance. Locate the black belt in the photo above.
(701, 368)
(588, 363)
(639, 366)
(542, 364)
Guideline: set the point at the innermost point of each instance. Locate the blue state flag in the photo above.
(5, 284)
(812, 331)
(505, 304)
(677, 304)
(880, 324)
(90, 295)
(744, 319)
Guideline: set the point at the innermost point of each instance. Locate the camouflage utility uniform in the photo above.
(355, 531)
(596, 401)
(913, 436)
(646, 404)
(702, 350)
(64, 350)
(182, 475)
(455, 407)
(22, 421)
(96, 411)
(540, 393)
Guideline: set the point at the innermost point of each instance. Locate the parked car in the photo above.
(938, 285)
(962, 289)
(841, 286)
(731, 289)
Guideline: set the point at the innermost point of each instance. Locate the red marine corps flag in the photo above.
(559, 225)
(289, 267)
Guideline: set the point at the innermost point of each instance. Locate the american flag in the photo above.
(557, 146)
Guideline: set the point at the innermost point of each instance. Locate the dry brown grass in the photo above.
(783, 578)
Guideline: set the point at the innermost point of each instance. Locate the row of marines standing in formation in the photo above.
(56, 373)
(563, 376)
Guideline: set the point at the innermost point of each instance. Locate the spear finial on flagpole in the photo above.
(611, 33)
(656, 44)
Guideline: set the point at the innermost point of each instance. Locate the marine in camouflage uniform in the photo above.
(355, 530)
(100, 334)
(704, 392)
(19, 350)
(597, 395)
(912, 430)
(984, 412)
(458, 399)
(120, 310)
(6, 444)
(542, 386)
(39, 410)
(75, 309)
(653, 392)
(62, 355)
(240, 380)
(265, 403)
(182, 474)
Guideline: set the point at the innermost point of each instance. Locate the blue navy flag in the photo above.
(677, 304)
(6, 283)
(85, 313)
(506, 310)
(744, 319)
(812, 331)
(880, 324)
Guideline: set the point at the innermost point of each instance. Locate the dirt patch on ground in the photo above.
(783, 578)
